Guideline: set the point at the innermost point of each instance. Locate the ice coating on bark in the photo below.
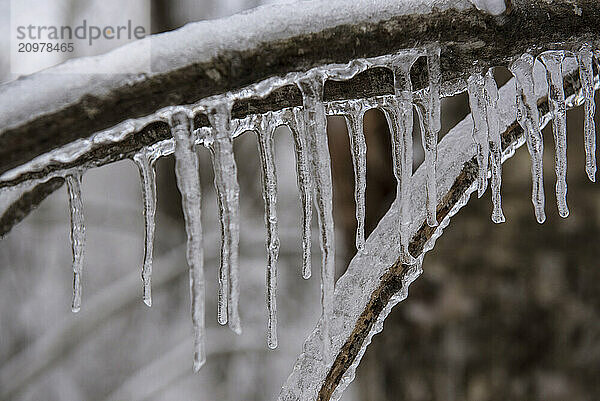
(399, 113)
(315, 131)
(586, 75)
(358, 150)
(269, 192)
(145, 163)
(294, 120)
(552, 60)
(228, 195)
(188, 182)
(495, 144)
(77, 234)
(528, 118)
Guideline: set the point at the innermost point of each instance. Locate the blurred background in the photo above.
(506, 311)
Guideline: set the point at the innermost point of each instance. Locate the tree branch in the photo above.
(470, 41)
(327, 381)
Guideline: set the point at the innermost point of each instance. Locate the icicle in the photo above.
(429, 139)
(552, 60)
(586, 75)
(77, 235)
(475, 87)
(495, 144)
(435, 82)
(431, 123)
(188, 182)
(269, 193)
(400, 120)
(358, 150)
(145, 164)
(228, 194)
(315, 130)
(529, 119)
(295, 124)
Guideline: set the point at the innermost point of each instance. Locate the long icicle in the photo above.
(528, 117)
(586, 74)
(495, 144)
(552, 60)
(188, 182)
(293, 119)
(429, 136)
(475, 87)
(358, 150)
(77, 234)
(228, 194)
(315, 123)
(145, 164)
(399, 114)
(269, 193)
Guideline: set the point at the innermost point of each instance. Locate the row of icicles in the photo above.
(308, 126)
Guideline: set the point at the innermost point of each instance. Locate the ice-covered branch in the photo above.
(41, 112)
(376, 280)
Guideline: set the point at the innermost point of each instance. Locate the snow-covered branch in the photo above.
(375, 280)
(53, 108)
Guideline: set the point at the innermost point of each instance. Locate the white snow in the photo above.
(493, 7)
(60, 86)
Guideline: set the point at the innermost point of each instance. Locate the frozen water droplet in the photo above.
(586, 74)
(188, 182)
(145, 163)
(228, 194)
(552, 60)
(77, 234)
(529, 119)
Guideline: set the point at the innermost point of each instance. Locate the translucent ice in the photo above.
(188, 182)
(77, 234)
(528, 118)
